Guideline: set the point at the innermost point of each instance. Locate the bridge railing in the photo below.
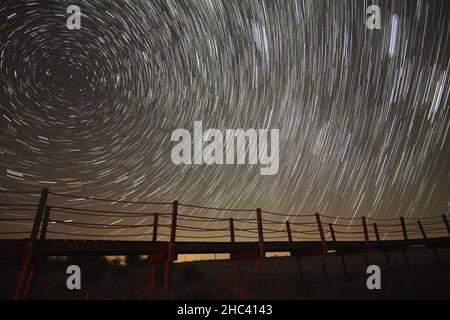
(75, 217)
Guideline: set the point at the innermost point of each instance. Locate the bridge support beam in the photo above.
(429, 245)
(380, 248)
(344, 264)
(366, 241)
(298, 258)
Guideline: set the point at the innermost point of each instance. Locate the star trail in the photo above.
(363, 114)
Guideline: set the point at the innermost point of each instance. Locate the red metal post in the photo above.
(34, 268)
(27, 257)
(29, 282)
(153, 273)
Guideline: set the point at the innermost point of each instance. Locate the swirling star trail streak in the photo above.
(363, 114)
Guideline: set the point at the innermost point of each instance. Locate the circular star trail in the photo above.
(363, 114)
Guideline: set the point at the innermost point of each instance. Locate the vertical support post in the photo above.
(422, 230)
(386, 254)
(28, 255)
(155, 226)
(48, 209)
(170, 251)
(260, 233)
(366, 240)
(344, 265)
(322, 235)
(444, 217)
(260, 245)
(288, 229)
(33, 268)
(173, 228)
(323, 246)
(154, 264)
(237, 260)
(232, 239)
(405, 243)
(298, 258)
(39, 214)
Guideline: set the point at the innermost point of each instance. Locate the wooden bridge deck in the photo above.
(14, 248)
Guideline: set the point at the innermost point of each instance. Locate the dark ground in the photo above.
(216, 279)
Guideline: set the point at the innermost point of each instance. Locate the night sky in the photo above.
(363, 114)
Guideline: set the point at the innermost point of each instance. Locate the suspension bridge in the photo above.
(39, 224)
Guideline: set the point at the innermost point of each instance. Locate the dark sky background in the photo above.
(363, 114)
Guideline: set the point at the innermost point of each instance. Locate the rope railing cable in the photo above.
(18, 205)
(99, 225)
(21, 191)
(303, 223)
(110, 213)
(14, 232)
(17, 209)
(347, 225)
(108, 200)
(104, 235)
(201, 218)
(214, 208)
(287, 214)
(202, 237)
(189, 228)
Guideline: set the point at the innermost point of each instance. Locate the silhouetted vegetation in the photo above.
(113, 279)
